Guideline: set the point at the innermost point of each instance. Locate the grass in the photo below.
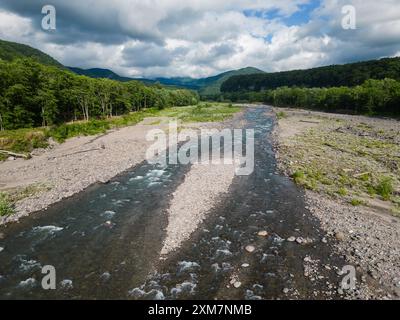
(18, 194)
(6, 207)
(348, 160)
(281, 115)
(23, 140)
(9, 197)
(203, 112)
(356, 202)
(385, 188)
(26, 140)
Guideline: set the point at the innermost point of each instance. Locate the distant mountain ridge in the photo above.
(208, 86)
(106, 73)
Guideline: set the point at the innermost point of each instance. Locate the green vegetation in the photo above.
(371, 88)
(356, 202)
(331, 76)
(208, 88)
(9, 197)
(26, 139)
(281, 115)
(211, 89)
(23, 140)
(374, 97)
(343, 159)
(12, 50)
(33, 95)
(203, 112)
(5, 205)
(385, 188)
(18, 194)
(106, 74)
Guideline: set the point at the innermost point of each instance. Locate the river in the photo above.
(105, 242)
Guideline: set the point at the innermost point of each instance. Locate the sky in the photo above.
(199, 38)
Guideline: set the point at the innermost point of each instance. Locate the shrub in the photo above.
(298, 177)
(355, 202)
(385, 188)
(281, 115)
(5, 205)
(342, 191)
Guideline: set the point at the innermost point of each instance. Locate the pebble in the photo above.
(2, 236)
(291, 239)
(66, 284)
(108, 224)
(1, 249)
(324, 240)
(339, 236)
(245, 265)
(250, 248)
(299, 240)
(263, 233)
(105, 276)
(285, 290)
(237, 284)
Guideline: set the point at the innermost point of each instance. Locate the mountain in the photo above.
(349, 75)
(213, 84)
(209, 86)
(106, 73)
(12, 50)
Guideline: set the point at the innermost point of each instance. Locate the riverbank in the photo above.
(62, 170)
(349, 166)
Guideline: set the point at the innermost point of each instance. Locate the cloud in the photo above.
(203, 37)
(143, 55)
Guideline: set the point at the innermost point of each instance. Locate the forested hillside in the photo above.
(208, 87)
(33, 94)
(331, 76)
(12, 50)
(212, 88)
(373, 97)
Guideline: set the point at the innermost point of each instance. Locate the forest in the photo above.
(348, 75)
(34, 94)
(373, 97)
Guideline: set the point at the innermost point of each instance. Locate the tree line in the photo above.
(33, 94)
(373, 97)
(348, 75)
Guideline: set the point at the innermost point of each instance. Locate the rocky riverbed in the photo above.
(367, 234)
